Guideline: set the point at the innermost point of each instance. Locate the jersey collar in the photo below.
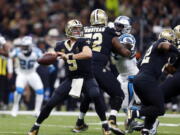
(68, 46)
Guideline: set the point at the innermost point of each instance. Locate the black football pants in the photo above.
(90, 90)
(4, 89)
(107, 82)
(171, 86)
(151, 96)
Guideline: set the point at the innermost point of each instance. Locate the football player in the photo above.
(171, 86)
(146, 81)
(26, 73)
(77, 55)
(129, 66)
(104, 41)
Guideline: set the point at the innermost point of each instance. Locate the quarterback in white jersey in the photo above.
(26, 73)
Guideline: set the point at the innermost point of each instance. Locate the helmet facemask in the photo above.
(26, 49)
(122, 24)
(26, 45)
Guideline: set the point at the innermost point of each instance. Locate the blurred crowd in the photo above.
(45, 21)
(36, 17)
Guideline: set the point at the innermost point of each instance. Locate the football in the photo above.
(47, 59)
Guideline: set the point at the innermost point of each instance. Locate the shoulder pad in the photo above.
(127, 38)
(111, 31)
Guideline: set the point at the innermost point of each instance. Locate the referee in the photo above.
(4, 91)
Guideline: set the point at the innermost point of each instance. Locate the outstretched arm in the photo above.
(120, 48)
(85, 54)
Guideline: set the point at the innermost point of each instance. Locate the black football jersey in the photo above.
(177, 65)
(154, 60)
(101, 38)
(76, 68)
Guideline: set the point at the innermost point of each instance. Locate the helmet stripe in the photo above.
(96, 15)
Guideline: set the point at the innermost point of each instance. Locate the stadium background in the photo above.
(38, 18)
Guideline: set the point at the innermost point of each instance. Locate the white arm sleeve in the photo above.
(10, 66)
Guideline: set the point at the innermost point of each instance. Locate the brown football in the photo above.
(47, 59)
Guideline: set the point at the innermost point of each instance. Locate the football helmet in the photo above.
(17, 42)
(128, 39)
(122, 24)
(74, 29)
(98, 17)
(2, 41)
(177, 35)
(26, 44)
(167, 34)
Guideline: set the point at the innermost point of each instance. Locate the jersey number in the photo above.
(26, 64)
(97, 41)
(72, 65)
(146, 56)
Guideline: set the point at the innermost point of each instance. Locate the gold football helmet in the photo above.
(177, 31)
(74, 29)
(167, 34)
(177, 34)
(98, 16)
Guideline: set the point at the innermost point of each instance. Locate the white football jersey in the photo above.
(128, 66)
(26, 64)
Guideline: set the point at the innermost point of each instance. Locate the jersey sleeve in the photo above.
(156, 44)
(85, 42)
(38, 52)
(111, 31)
(58, 46)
